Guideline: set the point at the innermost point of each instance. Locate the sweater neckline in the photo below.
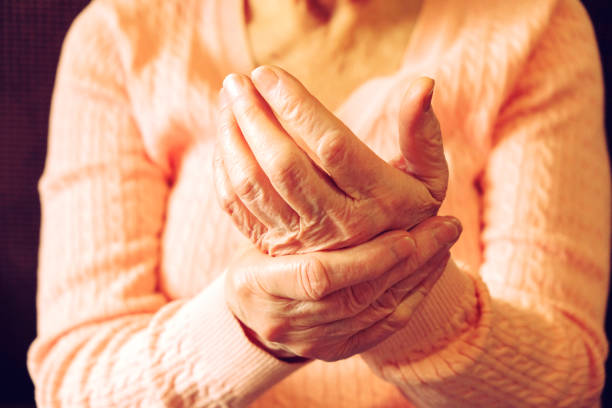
(239, 58)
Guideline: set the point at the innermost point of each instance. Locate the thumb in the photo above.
(420, 139)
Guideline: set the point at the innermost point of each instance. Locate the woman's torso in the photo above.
(177, 117)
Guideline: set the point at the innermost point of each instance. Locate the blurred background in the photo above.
(32, 34)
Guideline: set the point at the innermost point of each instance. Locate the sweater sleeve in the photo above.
(106, 336)
(526, 329)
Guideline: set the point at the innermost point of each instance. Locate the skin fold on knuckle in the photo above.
(332, 148)
(248, 185)
(246, 223)
(227, 202)
(357, 297)
(376, 312)
(385, 304)
(294, 111)
(257, 234)
(287, 169)
(313, 277)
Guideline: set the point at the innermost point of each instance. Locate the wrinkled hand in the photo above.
(295, 179)
(331, 305)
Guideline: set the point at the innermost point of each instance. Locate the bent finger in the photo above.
(229, 202)
(248, 180)
(432, 236)
(290, 171)
(355, 313)
(328, 142)
(368, 338)
(316, 275)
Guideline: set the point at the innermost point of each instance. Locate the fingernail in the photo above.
(234, 85)
(448, 230)
(264, 77)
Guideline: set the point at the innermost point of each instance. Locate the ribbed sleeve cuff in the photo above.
(448, 310)
(204, 355)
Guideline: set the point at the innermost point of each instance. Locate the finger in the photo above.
(288, 168)
(401, 289)
(431, 238)
(314, 276)
(373, 325)
(433, 235)
(333, 309)
(246, 222)
(420, 139)
(397, 320)
(353, 166)
(247, 179)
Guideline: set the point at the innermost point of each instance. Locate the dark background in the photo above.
(32, 34)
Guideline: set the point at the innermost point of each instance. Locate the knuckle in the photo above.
(314, 278)
(332, 148)
(287, 170)
(255, 231)
(250, 108)
(295, 111)
(291, 107)
(248, 188)
(227, 202)
(358, 297)
(384, 305)
(257, 234)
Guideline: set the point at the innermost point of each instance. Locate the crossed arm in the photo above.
(525, 332)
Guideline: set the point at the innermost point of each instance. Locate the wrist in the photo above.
(278, 353)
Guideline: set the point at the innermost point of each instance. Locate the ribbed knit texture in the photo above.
(133, 245)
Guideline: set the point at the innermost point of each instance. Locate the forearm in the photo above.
(188, 353)
(466, 348)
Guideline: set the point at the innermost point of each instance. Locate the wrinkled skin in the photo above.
(331, 305)
(295, 179)
(345, 274)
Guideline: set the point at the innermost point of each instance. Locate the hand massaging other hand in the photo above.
(330, 305)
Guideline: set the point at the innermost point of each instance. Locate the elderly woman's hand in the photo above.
(295, 179)
(330, 305)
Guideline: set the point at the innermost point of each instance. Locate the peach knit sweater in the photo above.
(133, 247)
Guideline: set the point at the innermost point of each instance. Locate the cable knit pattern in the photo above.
(133, 245)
